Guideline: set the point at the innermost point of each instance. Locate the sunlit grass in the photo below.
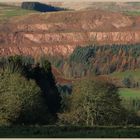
(134, 73)
(130, 93)
(7, 12)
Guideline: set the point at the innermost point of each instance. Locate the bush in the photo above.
(127, 81)
(40, 72)
(94, 102)
(21, 101)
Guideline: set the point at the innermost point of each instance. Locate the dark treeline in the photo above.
(41, 7)
(98, 60)
(29, 95)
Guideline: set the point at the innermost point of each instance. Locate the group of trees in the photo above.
(105, 59)
(29, 95)
(21, 101)
(98, 60)
(129, 82)
(41, 7)
(95, 102)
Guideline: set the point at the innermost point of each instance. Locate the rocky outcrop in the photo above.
(60, 33)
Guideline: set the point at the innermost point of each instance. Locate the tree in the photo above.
(43, 76)
(17, 64)
(40, 72)
(21, 101)
(93, 102)
(127, 81)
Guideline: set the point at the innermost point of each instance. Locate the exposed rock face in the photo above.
(60, 33)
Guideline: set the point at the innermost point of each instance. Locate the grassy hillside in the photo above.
(7, 12)
(90, 4)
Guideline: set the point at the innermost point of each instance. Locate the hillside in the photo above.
(69, 66)
(59, 33)
(8, 11)
(111, 5)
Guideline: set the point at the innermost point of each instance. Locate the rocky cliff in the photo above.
(60, 33)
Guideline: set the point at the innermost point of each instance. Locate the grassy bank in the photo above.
(69, 132)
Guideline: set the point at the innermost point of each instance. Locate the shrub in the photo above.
(127, 81)
(21, 101)
(93, 102)
(40, 72)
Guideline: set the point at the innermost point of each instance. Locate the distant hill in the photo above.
(118, 6)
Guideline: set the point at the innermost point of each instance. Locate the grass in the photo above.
(7, 12)
(132, 13)
(128, 93)
(130, 99)
(68, 132)
(134, 73)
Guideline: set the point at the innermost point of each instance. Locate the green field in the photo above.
(130, 93)
(134, 73)
(132, 13)
(6, 12)
(69, 132)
